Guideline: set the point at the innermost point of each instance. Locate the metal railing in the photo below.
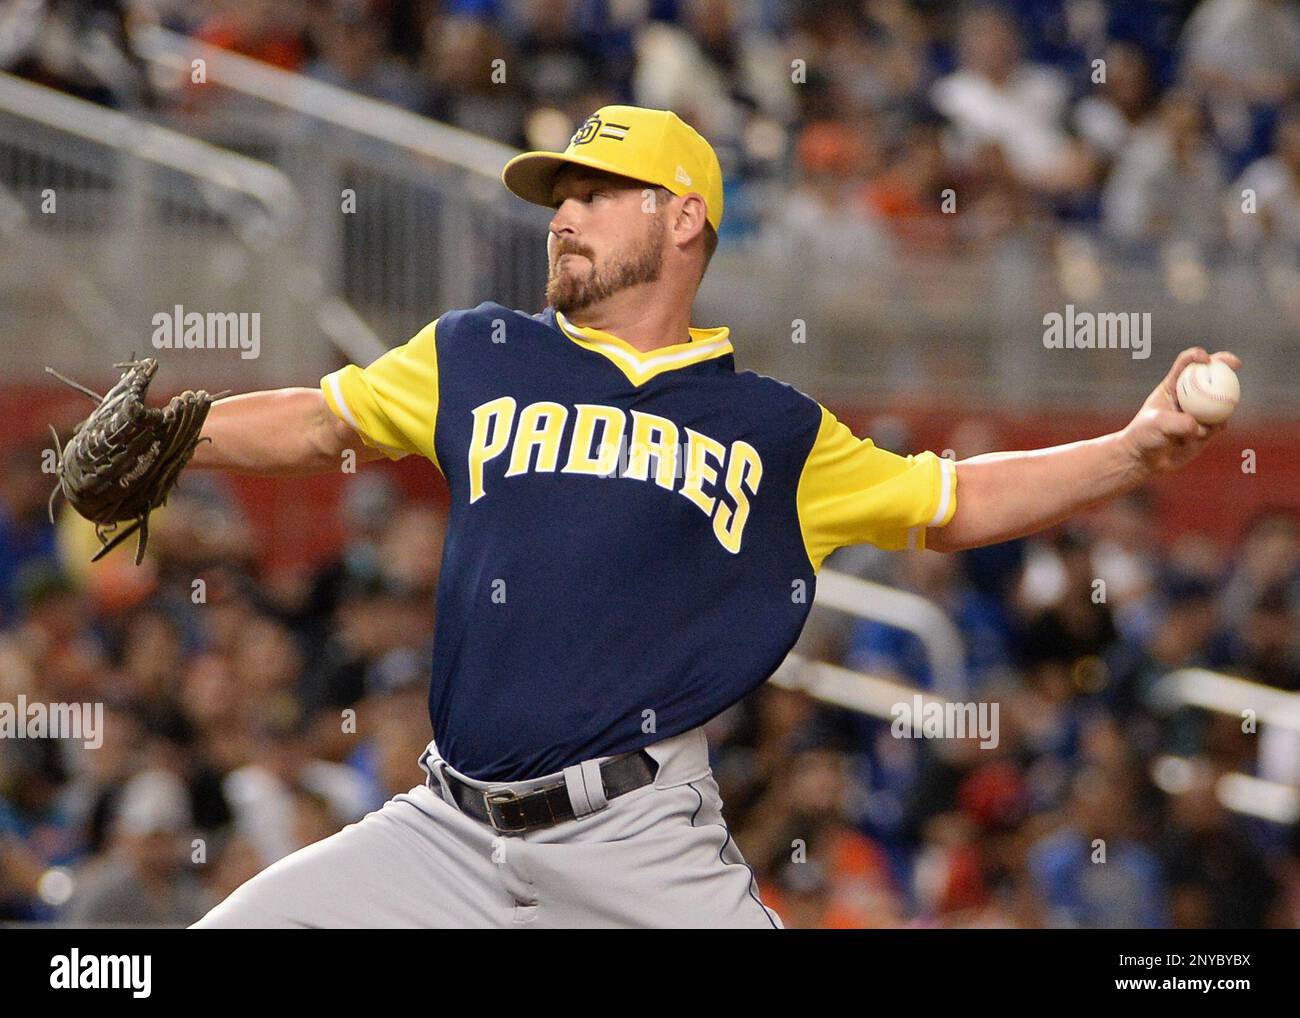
(939, 638)
(1274, 714)
(1268, 799)
(272, 209)
(1273, 801)
(404, 218)
(869, 694)
(1227, 694)
(433, 227)
(970, 327)
(120, 219)
(1272, 795)
(362, 118)
(112, 220)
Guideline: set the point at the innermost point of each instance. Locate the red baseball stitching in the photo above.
(1194, 383)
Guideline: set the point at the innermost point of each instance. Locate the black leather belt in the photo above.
(514, 814)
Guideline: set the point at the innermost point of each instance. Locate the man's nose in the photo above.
(562, 221)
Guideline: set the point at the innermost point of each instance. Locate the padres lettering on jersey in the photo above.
(655, 521)
(716, 478)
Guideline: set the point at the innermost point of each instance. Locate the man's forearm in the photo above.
(280, 431)
(1005, 495)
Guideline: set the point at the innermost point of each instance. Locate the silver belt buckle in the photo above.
(498, 797)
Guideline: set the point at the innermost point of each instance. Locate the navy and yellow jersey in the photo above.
(633, 537)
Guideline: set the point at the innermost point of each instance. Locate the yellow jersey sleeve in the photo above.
(392, 404)
(851, 492)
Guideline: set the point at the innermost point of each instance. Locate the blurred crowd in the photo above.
(1103, 804)
(842, 124)
(251, 710)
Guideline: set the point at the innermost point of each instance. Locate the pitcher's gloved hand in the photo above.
(123, 460)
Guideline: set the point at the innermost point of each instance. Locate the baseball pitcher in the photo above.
(634, 537)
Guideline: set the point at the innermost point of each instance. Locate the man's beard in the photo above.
(568, 292)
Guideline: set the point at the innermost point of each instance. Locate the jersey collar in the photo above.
(705, 345)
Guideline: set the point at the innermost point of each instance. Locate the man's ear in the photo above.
(689, 220)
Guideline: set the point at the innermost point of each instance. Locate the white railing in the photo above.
(434, 226)
(1273, 793)
(874, 695)
(74, 291)
(910, 612)
(435, 229)
(1273, 801)
(224, 173)
(867, 694)
(116, 219)
(966, 328)
(1227, 694)
(364, 117)
(1268, 799)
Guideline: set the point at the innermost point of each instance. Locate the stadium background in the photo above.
(224, 186)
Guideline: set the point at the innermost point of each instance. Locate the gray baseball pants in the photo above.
(660, 856)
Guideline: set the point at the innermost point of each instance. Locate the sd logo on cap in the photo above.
(586, 132)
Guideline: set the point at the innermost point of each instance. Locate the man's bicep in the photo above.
(852, 492)
(392, 405)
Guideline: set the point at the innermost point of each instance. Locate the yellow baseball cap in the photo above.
(656, 146)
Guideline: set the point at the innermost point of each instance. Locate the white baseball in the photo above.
(1209, 392)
